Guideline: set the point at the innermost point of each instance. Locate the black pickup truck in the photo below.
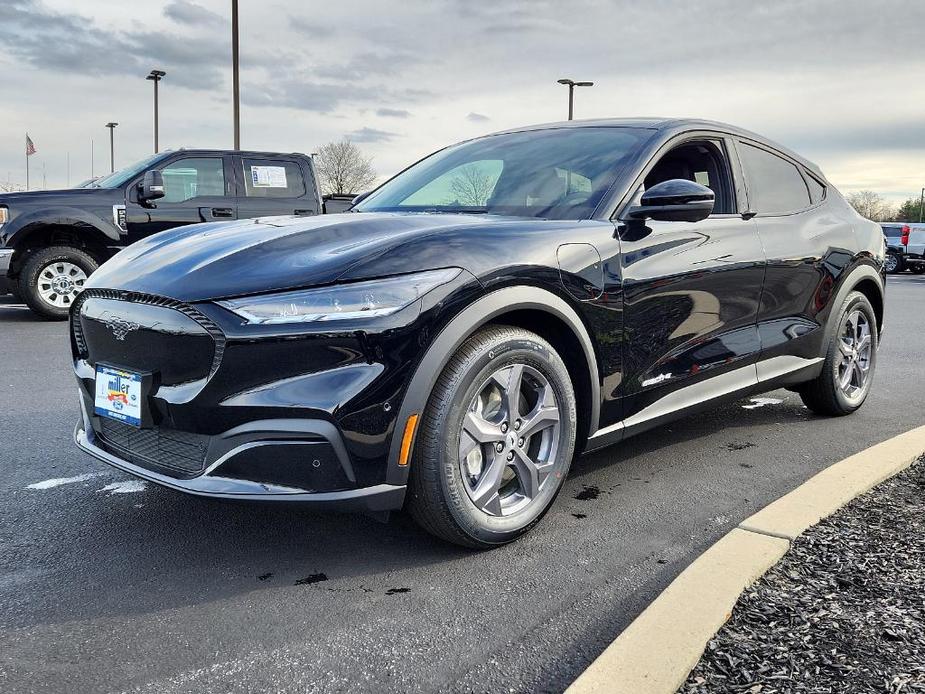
(51, 240)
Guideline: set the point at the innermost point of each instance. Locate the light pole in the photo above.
(571, 92)
(112, 146)
(235, 83)
(155, 76)
(921, 204)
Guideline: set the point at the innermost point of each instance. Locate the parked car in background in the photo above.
(50, 241)
(905, 244)
(487, 313)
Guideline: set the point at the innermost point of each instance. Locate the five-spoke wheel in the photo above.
(509, 440)
(496, 439)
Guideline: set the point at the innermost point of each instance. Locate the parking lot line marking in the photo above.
(125, 487)
(59, 481)
(657, 651)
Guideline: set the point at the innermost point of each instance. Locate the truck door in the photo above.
(197, 188)
(269, 186)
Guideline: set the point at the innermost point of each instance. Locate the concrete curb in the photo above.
(655, 654)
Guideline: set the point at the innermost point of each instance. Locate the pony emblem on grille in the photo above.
(120, 327)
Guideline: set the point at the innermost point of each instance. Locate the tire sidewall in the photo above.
(474, 522)
(32, 268)
(854, 300)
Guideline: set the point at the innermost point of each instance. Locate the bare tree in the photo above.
(472, 186)
(871, 205)
(342, 168)
(8, 187)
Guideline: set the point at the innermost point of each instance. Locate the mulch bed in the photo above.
(843, 611)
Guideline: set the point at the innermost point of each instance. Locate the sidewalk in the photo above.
(843, 611)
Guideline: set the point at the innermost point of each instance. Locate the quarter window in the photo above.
(194, 177)
(266, 178)
(775, 186)
(816, 189)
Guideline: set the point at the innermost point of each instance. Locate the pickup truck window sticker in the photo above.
(268, 177)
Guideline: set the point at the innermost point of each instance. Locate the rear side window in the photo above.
(892, 232)
(775, 186)
(272, 178)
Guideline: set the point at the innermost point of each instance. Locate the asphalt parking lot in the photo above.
(107, 584)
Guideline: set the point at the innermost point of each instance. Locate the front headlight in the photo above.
(358, 300)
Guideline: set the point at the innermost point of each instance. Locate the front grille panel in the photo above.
(206, 323)
(166, 450)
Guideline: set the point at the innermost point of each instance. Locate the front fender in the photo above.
(458, 330)
(17, 229)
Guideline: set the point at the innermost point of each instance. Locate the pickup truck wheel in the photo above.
(918, 269)
(51, 278)
(496, 440)
(848, 371)
(893, 264)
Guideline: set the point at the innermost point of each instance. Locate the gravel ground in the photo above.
(844, 610)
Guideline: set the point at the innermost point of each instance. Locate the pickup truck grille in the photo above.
(176, 453)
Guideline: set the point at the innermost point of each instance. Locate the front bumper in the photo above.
(213, 483)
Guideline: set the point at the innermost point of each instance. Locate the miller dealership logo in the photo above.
(120, 327)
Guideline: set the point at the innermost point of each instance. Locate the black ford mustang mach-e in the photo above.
(452, 342)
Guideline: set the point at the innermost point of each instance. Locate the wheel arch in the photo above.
(60, 228)
(532, 308)
(865, 279)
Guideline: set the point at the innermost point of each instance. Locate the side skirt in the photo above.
(755, 378)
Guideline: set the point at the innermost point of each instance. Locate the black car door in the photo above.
(807, 248)
(197, 188)
(690, 289)
(274, 186)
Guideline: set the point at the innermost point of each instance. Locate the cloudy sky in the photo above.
(840, 81)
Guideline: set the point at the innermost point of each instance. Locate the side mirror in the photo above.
(677, 200)
(360, 198)
(151, 187)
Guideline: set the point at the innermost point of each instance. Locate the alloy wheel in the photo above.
(856, 347)
(891, 263)
(509, 440)
(60, 282)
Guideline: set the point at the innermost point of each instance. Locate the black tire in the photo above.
(918, 268)
(824, 395)
(894, 263)
(36, 263)
(438, 498)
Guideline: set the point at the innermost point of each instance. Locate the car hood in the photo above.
(38, 196)
(219, 260)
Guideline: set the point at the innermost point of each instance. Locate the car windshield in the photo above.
(114, 180)
(559, 173)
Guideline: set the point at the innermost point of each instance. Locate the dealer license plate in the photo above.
(118, 395)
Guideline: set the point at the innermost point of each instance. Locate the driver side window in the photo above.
(193, 177)
(703, 162)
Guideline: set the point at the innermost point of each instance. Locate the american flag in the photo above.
(30, 146)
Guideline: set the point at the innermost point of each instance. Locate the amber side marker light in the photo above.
(406, 440)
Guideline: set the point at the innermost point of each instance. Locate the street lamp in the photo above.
(155, 76)
(235, 82)
(112, 147)
(571, 92)
(921, 205)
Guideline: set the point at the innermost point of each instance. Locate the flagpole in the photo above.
(27, 161)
